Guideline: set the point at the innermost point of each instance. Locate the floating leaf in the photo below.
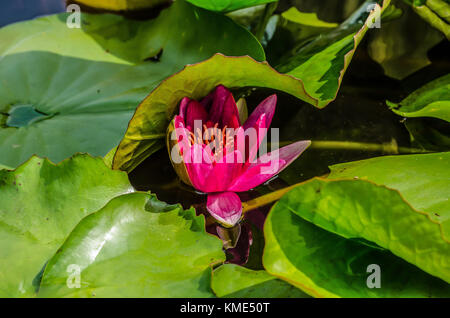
(436, 13)
(68, 90)
(136, 246)
(324, 264)
(40, 204)
(307, 19)
(233, 281)
(122, 5)
(421, 179)
(228, 5)
(361, 209)
(431, 100)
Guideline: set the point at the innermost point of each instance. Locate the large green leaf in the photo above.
(362, 210)
(122, 5)
(423, 180)
(306, 19)
(436, 13)
(40, 204)
(321, 64)
(232, 281)
(228, 5)
(315, 81)
(136, 246)
(66, 90)
(324, 264)
(431, 100)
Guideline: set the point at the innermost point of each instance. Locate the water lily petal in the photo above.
(267, 107)
(224, 172)
(287, 153)
(225, 207)
(183, 106)
(230, 113)
(256, 175)
(195, 111)
(268, 166)
(199, 166)
(222, 108)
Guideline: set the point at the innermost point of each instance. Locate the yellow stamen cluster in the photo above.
(217, 139)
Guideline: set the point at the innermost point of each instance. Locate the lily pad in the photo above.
(122, 5)
(422, 180)
(306, 19)
(66, 90)
(359, 209)
(324, 264)
(431, 100)
(136, 246)
(228, 5)
(40, 204)
(233, 281)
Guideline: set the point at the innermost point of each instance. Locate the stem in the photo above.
(265, 199)
(387, 148)
(390, 148)
(262, 24)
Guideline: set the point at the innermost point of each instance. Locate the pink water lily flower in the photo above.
(215, 153)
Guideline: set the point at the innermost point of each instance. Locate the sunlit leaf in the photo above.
(136, 246)
(431, 100)
(324, 264)
(307, 19)
(228, 5)
(122, 5)
(40, 204)
(422, 181)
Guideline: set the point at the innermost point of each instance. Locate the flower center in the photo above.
(219, 140)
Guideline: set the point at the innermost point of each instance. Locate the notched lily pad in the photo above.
(324, 264)
(431, 100)
(40, 204)
(131, 249)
